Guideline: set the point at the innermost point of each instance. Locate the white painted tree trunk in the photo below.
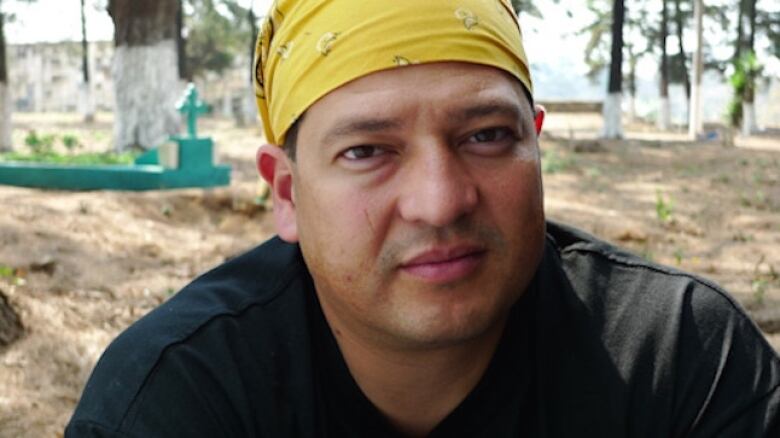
(664, 121)
(632, 108)
(146, 87)
(5, 118)
(86, 102)
(749, 125)
(613, 120)
(252, 118)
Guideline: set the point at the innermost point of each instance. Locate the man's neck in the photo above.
(417, 389)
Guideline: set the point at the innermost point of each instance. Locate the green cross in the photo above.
(193, 107)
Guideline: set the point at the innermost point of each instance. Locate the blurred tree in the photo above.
(678, 68)
(748, 8)
(219, 34)
(613, 123)
(597, 51)
(527, 7)
(146, 73)
(216, 32)
(86, 103)
(664, 119)
(695, 123)
(6, 143)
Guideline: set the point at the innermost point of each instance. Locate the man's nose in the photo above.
(438, 188)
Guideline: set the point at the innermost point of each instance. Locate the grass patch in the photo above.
(552, 162)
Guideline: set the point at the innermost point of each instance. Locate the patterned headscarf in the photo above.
(308, 48)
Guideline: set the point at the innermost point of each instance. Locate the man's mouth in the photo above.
(445, 264)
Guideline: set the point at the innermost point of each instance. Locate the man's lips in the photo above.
(446, 264)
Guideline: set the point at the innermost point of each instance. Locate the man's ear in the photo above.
(539, 119)
(276, 169)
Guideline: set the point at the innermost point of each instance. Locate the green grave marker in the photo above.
(187, 162)
(192, 107)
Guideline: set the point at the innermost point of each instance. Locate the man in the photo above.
(415, 288)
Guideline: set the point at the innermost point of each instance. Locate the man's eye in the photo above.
(490, 135)
(362, 152)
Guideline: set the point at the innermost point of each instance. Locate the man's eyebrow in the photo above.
(497, 107)
(359, 126)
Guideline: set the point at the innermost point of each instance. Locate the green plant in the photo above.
(758, 286)
(12, 274)
(761, 280)
(71, 142)
(554, 163)
(39, 145)
(746, 71)
(678, 256)
(663, 208)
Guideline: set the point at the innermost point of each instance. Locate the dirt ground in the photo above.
(87, 264)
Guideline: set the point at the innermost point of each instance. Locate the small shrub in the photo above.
(663, 208)
(39, 145)
(71, 142)
(678, 256)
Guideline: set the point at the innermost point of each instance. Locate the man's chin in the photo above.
(446, 324)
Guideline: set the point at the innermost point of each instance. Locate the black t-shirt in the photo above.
(602, 344)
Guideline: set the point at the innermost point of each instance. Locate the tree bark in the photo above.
(146, 72)
(613, 125)
(679, 21)
(740, 31)
(632, 61)
(664, 120)
(749, 125)
(695, 125)
(86, 102)
(181, 43)
(249, 97)
(5, 94)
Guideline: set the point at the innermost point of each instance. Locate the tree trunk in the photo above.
(695, 125)
(5, 94)
(249, 96)
(613, 124)
(664, 118)
(86, 103)
(681, 55)
(740, 31)
(11, 327)
(632, 61)
(749, 125)
(181, 43)
(146, 72)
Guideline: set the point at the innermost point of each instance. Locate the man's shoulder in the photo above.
(599, 266)
(614, 283)
(680, 341)
(247, 290)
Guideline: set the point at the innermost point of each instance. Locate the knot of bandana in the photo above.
(308, 48)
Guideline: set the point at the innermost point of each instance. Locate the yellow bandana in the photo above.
(308, 48)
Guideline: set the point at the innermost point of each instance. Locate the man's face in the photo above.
(417, 202)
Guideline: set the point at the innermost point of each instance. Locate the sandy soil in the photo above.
(88, 264)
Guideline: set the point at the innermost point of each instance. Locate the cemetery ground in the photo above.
(78, 267)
